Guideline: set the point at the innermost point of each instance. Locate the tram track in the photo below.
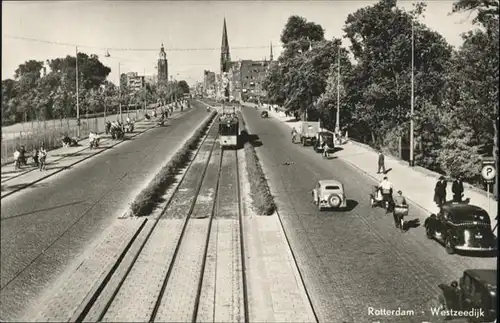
(162, 272)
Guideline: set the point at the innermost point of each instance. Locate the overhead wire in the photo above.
(130, 49)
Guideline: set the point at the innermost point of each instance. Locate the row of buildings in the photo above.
(240, 80)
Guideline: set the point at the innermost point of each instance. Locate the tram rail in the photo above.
(116, 299)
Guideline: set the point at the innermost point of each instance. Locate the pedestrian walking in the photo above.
(458, 189)
(381, 162)
(43, 158)
(35, 155)
(17, 155)
(440, 191)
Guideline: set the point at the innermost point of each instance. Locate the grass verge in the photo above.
(151, 195)
(262, 199)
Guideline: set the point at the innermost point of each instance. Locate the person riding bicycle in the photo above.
(399, 202)
(325, 149)
(294, 133)
(386, 187)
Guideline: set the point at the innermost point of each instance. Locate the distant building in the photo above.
(246, 78)
(209, 83)
(162, 68)
(241, 80)
(133, 81)
(151, 79)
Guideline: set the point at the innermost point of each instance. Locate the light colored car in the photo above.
(329, 194)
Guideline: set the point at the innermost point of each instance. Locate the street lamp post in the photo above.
(412, 145)
(77, 97)
(337, 121)
(120, 91)
(144, 90)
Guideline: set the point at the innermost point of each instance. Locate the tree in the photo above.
(183, 87)
(487, 10)
(10, 111)
(381, 43)
(298, 29)
(474, 80)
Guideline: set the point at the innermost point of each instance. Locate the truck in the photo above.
(308, 132)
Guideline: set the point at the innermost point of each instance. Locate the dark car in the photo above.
(461, 226)
(264, 114)
(476, 294)
(321, 138)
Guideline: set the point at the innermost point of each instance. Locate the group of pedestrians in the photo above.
(440, 190)
(457, 189)
(39, 157)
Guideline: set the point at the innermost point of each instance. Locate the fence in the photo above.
(49, 136)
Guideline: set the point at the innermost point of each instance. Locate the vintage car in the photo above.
(461, 226)
(476, 294)
(329, 194)
(264, 114)
(321, 138)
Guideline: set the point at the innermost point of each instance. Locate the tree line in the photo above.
(34, 94)
(455, 90)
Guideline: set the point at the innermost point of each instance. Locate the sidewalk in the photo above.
(63, 158)
(416, 183)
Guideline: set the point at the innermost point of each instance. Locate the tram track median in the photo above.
(152, 194)
(262, 199)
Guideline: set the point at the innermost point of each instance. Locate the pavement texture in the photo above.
(275, 288)
(49, 224)
(416, 183)
(353, 260)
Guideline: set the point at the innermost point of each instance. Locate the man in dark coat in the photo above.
(440, 191)
(458, 189)
(381, 162)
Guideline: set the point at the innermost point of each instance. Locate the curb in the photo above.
(426, 171)
(77, 162)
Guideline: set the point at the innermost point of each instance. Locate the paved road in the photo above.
(355, 259)
(44, 227)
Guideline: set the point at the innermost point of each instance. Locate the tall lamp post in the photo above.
(120, 91)
(77, 97)
(412, 144)
(337, 120)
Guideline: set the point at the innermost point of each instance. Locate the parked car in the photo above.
(264, 114)
(476, 294)
(461, 226)
(329, 194)
(322, 137)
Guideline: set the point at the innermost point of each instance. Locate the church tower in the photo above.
(225, 57)
(271, 56)
(162, 68)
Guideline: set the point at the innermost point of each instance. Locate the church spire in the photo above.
(271, 56)
(225, 57)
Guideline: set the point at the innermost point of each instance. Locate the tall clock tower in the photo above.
(162, 68)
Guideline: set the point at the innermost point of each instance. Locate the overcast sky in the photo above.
(134, 30)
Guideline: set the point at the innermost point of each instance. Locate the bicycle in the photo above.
(400, 211)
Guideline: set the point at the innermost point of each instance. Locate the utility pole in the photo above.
(120, 91)
(412, 162)
(145, 93)
(77, 97)
(337, 121)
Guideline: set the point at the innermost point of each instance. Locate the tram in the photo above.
(229, 128)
